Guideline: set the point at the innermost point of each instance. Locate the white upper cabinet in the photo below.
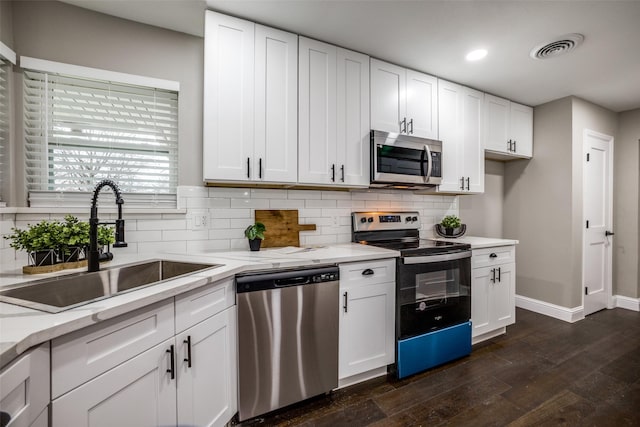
(508, 129)
(333, 115)
(460, 120)
(404, 101)
(250, 102)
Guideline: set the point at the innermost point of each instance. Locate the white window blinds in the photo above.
(4, 122)
(79, 131)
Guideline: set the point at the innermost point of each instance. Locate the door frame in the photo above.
(608, 139)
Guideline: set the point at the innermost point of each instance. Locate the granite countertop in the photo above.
(22, 328)
(480, 242)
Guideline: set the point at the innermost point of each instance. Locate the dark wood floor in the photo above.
(543, 372)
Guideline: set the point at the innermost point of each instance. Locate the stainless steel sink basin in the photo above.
(60, 293)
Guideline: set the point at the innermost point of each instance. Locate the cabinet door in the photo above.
(496, 128)
(451, 128)
(228, 120)
(367, 336)
(139, 392)
(422, 105)
(207, 394)
(317, 106)
(353, 140)
(276, 106)
(504, 296)
(522, 129)
(24, 388)
(492, 298)
(481, 294)
(388, 96)
(473, 152)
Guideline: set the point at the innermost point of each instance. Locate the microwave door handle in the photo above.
(427, 176)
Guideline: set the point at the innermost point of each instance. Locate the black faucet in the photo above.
(93, 258)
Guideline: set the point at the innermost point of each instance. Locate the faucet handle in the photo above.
(120, 243)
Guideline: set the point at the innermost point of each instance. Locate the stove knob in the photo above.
(415, 218)
(363, 220)
(370, 219)
(407, 219)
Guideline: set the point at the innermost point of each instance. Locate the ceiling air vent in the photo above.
(560, 46)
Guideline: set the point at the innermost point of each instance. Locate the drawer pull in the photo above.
(188, 343)
(172, 368)
(367, 272)
(499, 275)
(493, 255)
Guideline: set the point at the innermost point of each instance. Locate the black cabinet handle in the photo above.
(462, 183)
(514, 146)
(403, 125)
(411, 124)
(172, 369)
(188, 343)
(249, 167)
(509, 145)
(333, 173)
(367, 272)
(468, 180)
(344, 305)
(499, 275)
(260, 168)
(493, 275)
(342, 173)
(493, 255)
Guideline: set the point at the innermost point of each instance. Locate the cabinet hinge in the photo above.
(587, 223)
(586, 290)
(587, 157)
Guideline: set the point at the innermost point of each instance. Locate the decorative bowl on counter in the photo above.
(450, 232)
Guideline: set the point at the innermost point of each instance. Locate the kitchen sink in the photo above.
(61, 293)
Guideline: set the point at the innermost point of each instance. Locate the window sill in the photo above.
(101, 209)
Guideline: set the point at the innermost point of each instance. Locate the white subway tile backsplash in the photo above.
(230, 210)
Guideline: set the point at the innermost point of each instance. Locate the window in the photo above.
(80, 130)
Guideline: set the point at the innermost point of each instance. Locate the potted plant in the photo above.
(74, 238)
(40, 241)
(451, 226)
(255, 234)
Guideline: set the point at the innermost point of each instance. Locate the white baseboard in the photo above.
(570, 315)
(626, 302)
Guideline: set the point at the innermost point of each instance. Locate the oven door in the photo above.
(400, 159)
(433, 292)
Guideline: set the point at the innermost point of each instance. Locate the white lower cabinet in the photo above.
(186, 379)
(24, 389)
(367, 320)
(492, 291)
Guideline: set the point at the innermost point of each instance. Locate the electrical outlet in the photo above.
(200, 220)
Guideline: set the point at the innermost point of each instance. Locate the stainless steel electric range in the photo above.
(433, 289)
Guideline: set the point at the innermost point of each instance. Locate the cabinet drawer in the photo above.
(87, 353)
(24, 387)
(195, 306)
(368, 272)
(493, 256)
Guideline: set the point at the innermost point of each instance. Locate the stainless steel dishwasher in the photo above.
(287, 337)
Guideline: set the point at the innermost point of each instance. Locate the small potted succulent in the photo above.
(451, 226)
(40, 241)
(74, 238)
(255, 234)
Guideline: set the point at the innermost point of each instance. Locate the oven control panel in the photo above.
(373, 221)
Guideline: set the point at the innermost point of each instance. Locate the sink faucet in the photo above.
(93, 258)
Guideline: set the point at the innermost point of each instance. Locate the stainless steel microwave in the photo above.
(404, 161)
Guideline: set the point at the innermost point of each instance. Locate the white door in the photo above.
(521, 130)
(276, 106)
(139, 392)
(496, 129)
(473, 153)
(388, 97)
(367, 339)
(228, 119)
(317, 106)
(597, 198)
(422, 105)
(451, 125)
(353, 141)
(207, 388)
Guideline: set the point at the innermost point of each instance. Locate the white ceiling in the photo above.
(434, 36)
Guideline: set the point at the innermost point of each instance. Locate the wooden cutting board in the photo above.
(282, 227)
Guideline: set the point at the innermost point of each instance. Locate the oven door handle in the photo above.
(436, 258)
(427, 176)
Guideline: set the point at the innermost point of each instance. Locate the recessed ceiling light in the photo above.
(476, 55)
